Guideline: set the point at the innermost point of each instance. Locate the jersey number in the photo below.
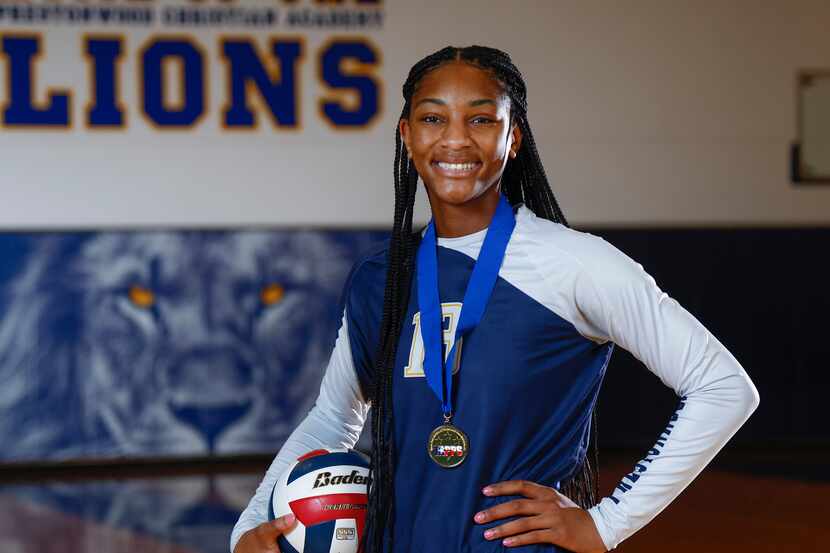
(415, 367)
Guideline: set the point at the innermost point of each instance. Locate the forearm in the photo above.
(705, 419)
(317, 431)
(335, 422)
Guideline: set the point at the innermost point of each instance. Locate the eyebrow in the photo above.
(474, 103)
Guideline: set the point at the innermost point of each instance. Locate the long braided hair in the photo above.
(523, 180)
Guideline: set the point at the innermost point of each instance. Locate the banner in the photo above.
(226, 113)
(184, 112)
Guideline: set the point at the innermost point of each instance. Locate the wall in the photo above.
(131, 252)
(646, 113)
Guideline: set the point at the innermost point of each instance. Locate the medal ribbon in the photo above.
(476, 296)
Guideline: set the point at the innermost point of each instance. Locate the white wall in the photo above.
(646, 112)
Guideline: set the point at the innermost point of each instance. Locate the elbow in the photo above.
(742, 396)
(748, 401)
(738, 399)
(754, 398)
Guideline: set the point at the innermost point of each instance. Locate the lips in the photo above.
(457, 168)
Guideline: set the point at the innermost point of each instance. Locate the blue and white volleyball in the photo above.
(327, 493)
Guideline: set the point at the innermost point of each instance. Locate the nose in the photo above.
(456, 134)
(210, 388)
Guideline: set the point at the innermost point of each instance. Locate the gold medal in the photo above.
(448, 446)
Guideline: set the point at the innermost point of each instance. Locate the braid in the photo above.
(524, 180)
(401, 259)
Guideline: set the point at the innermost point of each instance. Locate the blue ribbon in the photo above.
(476, 296)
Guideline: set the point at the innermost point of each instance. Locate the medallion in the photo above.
(448, 446)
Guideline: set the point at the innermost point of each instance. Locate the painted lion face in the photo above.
(155, 343)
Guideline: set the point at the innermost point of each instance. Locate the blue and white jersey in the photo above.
(527, 380)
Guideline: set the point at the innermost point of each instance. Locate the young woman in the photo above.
(481, 343)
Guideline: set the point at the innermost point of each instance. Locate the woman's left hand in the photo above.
(547, 516)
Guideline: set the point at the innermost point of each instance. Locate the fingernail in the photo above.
(289, 518)
(487, 490)
(488, 534)
(479, 517)
(508, 541)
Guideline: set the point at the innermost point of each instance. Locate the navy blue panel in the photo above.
(366, 283)
(271, 515)
(520, 354)
(560, 369)
(286, 547)
(318, 537)
(322, 461)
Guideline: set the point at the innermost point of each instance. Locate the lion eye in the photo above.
(141, 296)
(271, 294)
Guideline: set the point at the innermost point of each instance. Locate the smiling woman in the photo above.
(481, 343)
(459, 135)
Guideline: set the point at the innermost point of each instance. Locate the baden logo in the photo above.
(327, 479)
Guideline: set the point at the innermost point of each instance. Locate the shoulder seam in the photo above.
(582, 271)
(544, 222)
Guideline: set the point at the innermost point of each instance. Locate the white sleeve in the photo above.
(335, 421)
(623, 303)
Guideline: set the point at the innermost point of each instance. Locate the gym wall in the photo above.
(174, 171)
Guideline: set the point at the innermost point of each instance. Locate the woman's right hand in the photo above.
(263, 538)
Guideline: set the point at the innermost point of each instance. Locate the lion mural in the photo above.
(166, 343)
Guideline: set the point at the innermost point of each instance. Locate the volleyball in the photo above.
(327, 493)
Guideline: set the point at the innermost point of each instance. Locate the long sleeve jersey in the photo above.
(525, 387)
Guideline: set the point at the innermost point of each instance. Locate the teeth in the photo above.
(456, 166)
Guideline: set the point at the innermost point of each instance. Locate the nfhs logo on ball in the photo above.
(345, 534)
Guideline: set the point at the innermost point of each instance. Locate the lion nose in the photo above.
(210, 389)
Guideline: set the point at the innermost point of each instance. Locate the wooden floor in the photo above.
(733, 513)
(721, 511)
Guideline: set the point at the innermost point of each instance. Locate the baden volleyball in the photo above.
(326, 490)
